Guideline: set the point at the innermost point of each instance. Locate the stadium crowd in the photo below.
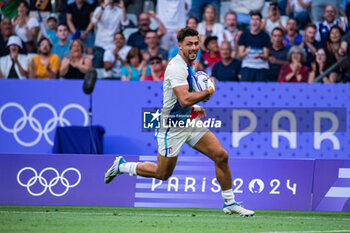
(256, 40)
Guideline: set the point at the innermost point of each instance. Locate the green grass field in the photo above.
(143, 220)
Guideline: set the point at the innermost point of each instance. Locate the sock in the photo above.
(129, 167)
(229, 197)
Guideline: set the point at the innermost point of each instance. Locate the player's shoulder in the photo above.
(176, 64)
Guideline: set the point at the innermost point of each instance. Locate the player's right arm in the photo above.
(187, 99)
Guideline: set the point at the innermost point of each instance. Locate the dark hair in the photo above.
(25, 4)
(328, 37)
(133, 53)
(192, 17)
(45, 38)
(254, 13)
(119, 33)
(209, 39)
(184, 32)
(311, 25)
(278, 29)
(62, 24)
(230, 13)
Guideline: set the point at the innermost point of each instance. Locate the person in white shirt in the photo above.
(298, 9)
(109, 17)
(114, 59)
(172, 13)
(14, 65)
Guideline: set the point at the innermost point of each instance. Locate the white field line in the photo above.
(306, 231)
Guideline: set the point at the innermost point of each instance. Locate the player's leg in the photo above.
(209, 145)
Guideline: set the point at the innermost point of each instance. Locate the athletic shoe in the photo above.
(236, 208)
(114, 170)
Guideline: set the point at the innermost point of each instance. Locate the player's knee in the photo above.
(221, 156)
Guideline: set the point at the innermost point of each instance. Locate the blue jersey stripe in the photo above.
(165, 142)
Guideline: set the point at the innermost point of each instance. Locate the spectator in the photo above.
(319, 66)
(298, 9)
(153, 49)
(278, 54)
(79, 14)
(40, 9)
(14, 65)
(209, 25)
(292, 37)
(114, 59)
(136, 69)
(344, 9)
(332, 44)
(345, 50)
(273, 19)
(45, 65)
(61, 47)
(109, 17)
(228, 69)
(172, 13)
(318, 6)
(309, 43)
(324, 27)
(254, 51)
(76, 65)
(295, 71)
(198, 6)
(243, 9)
(157, 70)
(231, 33)
(137, 39)
(212, 54)
(50, 32)
(25, 26)
(5, 33)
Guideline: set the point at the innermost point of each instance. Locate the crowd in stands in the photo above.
(133, 40)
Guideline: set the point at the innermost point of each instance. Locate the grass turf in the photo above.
(85, 219)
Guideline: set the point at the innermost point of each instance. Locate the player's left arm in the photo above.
(187, 99)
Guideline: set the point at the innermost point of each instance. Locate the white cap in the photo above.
(52, 15)
(14, 40)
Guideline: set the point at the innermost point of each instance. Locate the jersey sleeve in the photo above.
(177, 75)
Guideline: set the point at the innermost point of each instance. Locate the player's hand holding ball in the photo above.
(203, 82)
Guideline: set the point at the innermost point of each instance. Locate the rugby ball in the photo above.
(202, 82)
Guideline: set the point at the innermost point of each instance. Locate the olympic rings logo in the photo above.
(35, 123)
(48, 184)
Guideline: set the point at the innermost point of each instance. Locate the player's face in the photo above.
(190, 47)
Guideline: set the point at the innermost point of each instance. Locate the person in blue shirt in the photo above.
(136, 68)
(61, 46)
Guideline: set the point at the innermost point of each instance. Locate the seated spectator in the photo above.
(332, 44)
(197, 7)
(344, 9)
(318, 6)
(14, 65)
(243, 9)
(61, 46)
(153, 49)
(228, 69)
(25, 26)
(292, 36)
(273, 19)
(209, 26)
(298, 9)
(76, 65)
(231, 33)
(295, 71)
(136, 69)
(108, 18)
(79, 14)
(319, 66)
(278, 54)
(45, 65)
(173, 15)
(5, 33)
(114, 59)
(50, 32)
(157, 70)
(254, 51)
(309, 43)
(324, 27)
(137, 39)
(345, 50)
(212, 56)
(42, 7)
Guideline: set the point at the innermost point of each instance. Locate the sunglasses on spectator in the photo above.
(154, 62)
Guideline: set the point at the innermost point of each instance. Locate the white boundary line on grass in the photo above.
(306, 231)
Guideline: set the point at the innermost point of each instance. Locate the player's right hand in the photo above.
(211, 88)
